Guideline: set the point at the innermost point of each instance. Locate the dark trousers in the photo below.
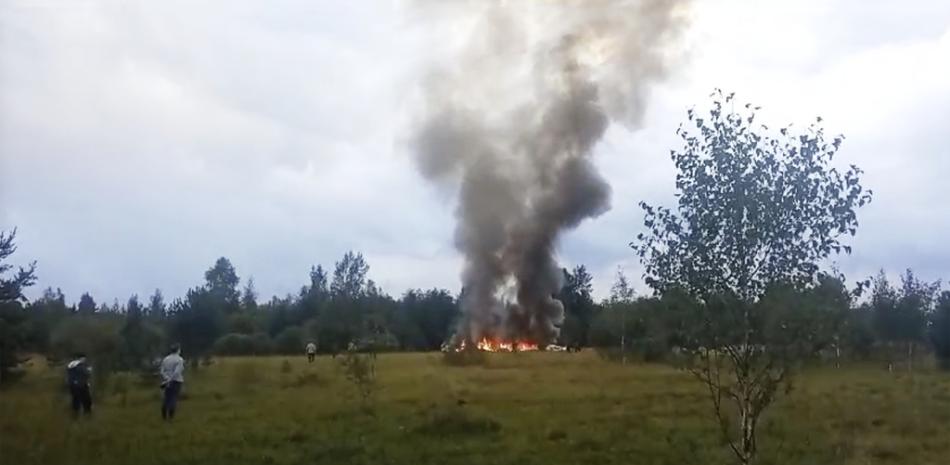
(82, 399)
(310, 357)
(170, 399)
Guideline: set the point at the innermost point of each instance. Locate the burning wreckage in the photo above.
(509, 330)
(500, 345)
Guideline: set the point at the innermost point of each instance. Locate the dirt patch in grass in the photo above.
(457, 421)
(303, 380)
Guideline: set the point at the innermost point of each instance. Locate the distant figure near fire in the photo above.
(311, 351)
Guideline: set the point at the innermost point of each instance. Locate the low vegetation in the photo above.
(525, 409)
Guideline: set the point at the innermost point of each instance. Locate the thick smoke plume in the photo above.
(509, 116)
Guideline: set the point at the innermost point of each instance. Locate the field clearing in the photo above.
(524, 409)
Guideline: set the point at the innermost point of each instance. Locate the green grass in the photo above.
(524, 409)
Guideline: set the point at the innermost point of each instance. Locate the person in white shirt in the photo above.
(311, 351)
(172, 371)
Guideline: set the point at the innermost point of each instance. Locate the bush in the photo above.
(360, 370)
(243, 344)
(290, 341)
(233, 344)
(262, 344)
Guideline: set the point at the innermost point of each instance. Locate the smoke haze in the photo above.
(509, 118)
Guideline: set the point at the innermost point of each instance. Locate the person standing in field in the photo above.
(172, 371)
(311, 351)
(78, 373)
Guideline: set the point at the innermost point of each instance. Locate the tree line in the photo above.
(222, 317)
(893, 324)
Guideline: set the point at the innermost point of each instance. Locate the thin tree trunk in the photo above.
(910, 356)
(623, 338)
(746, 432)
(890, 356)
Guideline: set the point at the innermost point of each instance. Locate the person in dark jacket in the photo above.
(78, 373)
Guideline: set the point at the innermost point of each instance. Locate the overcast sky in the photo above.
(139, 141)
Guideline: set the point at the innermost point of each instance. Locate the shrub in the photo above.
(262, 344)
(233, 344)
(290, 341)
(360, 370)
(242, 344)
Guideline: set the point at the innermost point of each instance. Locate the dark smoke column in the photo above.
(510, 118)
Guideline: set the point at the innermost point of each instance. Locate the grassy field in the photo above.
(524, 409)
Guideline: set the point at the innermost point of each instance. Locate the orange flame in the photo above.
(498, 345)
